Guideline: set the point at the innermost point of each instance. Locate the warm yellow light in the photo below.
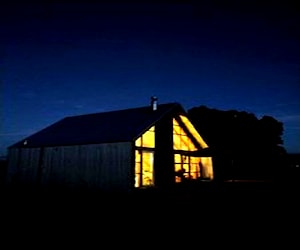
(181, 141)
(137, 174)
(187, 166)
(137, 156)
(207, 167)
(144, 163)
(193, 131)
(138, 142)
(177, 158)
(194, 167)
(147, 169)
(147, 139)
(144, 160)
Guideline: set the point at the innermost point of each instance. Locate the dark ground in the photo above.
(182, 199)
(228, 214)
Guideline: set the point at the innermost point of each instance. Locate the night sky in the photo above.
(60, 59)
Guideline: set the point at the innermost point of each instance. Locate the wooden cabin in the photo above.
(151, 146)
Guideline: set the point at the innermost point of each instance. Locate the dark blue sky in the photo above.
(60, 59)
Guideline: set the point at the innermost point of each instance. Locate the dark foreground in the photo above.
(203, 196)
(240, 214)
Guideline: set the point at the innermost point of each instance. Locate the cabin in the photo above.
(151, 146)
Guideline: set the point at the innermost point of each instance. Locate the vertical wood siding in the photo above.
(23, 165)
(101, 166)
(13, 165)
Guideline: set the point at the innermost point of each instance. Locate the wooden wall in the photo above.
(99, 166)
(22, 165)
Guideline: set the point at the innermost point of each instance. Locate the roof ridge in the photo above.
(120, 110)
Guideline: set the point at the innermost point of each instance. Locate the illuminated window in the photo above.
(186, 166)
(181, 141)
(207, 167)
(193, 131)
(147, 139)
(144, 159)
(138, 164)
(195, 164)
(147, 169)
(144, 162)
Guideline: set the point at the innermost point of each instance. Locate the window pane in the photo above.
(137, 156)
(137, 170)
(137, 167)
(177, 167)
(138, 142)
(178, 170)
(177, 129)
(147, 168)
(207, 167)
(176, 141)
(177, 158)
(137, 180)
(193, 131)
(181, 140)
(149, 138)
(185, 168)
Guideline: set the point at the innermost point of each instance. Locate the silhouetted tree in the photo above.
(243, 145)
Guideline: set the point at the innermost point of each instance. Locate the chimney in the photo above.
(154, 103)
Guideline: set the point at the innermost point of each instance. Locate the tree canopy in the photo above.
(243, 145)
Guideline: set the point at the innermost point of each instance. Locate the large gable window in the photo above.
(186, 139)
(181, 139)
(193, 131)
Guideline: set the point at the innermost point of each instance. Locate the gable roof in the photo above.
(114, 126)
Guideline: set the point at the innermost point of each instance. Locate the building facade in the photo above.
(152, 146)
